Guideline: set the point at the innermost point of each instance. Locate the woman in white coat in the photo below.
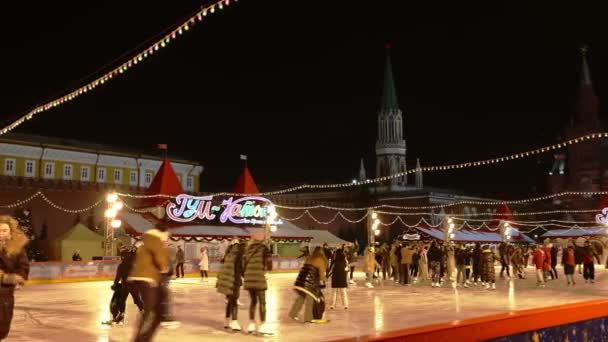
(204, 264)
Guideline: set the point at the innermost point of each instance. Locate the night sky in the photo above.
(296, 85)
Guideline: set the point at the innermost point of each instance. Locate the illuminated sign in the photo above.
(244, 210)
(603, 217)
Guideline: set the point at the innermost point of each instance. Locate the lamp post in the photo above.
(114, 205)
(373, 224)
(449, 230)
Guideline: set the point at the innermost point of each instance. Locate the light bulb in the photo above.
(376, 232)
(116, 223)
(273, 228)
(112, 197)
(110, 213)
(117, 205)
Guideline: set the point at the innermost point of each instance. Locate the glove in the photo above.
(11, 279)
(114, 287)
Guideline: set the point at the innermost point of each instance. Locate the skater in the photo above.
(14, 269)
(180, 259)
(547, 264)
(423, 265)
(462, 255)
(539, 262)
(369, 264)
(76, 256)
(151, 267)
(386, 262)
(308, 287)
(203, 264)
(435, 256)
(258, 260)
(568, 262)
(339, 271)
(487, 268)
(394, 258)
(589, 263)
(554, 250)
(353, 250)
(122, 289)
(504, 254)
(229, 282)
(477, 254)
(516, 261)
(414, 265)
(407, 254)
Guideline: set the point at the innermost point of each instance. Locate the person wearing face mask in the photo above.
(14, 269)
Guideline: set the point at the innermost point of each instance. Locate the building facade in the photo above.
(26, 157)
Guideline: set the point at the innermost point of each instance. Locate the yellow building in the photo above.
(49, 159)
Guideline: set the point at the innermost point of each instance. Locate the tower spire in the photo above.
(588, 103)
(362, 175)
(389, 93)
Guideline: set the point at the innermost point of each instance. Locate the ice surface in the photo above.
(74, 311)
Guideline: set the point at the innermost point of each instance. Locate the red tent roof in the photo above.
(245, 184)
(503, 213)
(166, 183)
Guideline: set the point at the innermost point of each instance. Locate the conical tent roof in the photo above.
(164, 183)
(245, 184)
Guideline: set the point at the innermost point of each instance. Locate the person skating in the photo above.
(122, 289)
(369, 265)
(554, 251)
(180, 259)
(487, 268)
(229, 282)
(14, 269)
(477, 256)
(423, 264)
(568, 261)
(504, 254)
(588, 263)
(258, 260)
(539, 262)
(353, 251)
(547, 264)
(435, 256)
(395, 261)
(386, 261)
(414, 265)
(308, 288)
(203, 264)
(76, 256)
(407, 254)
(462, 255)
(151, 267)
(339, 272)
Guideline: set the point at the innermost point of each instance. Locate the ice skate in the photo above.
(227, 323)
(487, 286)
(262, 330)
(251, 328)
(234, 325)
(493, 286)
(170, 324)
(369, 285)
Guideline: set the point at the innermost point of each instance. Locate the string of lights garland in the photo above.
(51, 203)
(568, 211)
(122, 68)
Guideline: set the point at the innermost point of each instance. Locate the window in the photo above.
(190, 183)
(67, 171)
(9, 167)
(148, 178)
(49, 170)
(84, 173)
(117, 176)
(133, 178)
(101, 175)
(29, 168)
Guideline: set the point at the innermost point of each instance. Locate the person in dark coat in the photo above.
(308, 286)
(435, 256)
(487, 267)
(229, 282)
(477, 254)
(257, 261)
(339, 272)
(14, 269)
(122, 289)
(554, 250)
(76, 256)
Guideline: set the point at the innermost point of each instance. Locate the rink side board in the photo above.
(588, 318)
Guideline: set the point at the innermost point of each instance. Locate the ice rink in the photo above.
(74, 311)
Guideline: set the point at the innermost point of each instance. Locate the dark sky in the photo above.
(296, 84)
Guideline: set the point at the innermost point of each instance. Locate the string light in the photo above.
(162, 42)
(469, 164)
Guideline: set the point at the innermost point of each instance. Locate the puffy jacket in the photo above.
(229, 278)
(407, 255)
(151, 259)
(307, 281)
(435, 254)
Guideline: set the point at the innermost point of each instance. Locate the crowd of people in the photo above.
(146, 269)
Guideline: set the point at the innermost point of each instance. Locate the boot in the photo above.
(234, 325)
(227, 323)
(252, 328)
(493, 286)
(487, 286)
(262, 330)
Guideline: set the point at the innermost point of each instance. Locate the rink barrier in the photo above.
(76, 271)
(542, 324)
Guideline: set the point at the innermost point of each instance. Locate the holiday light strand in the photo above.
(570, 211)
(122, 68)
(50, 202)
(470, 164)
